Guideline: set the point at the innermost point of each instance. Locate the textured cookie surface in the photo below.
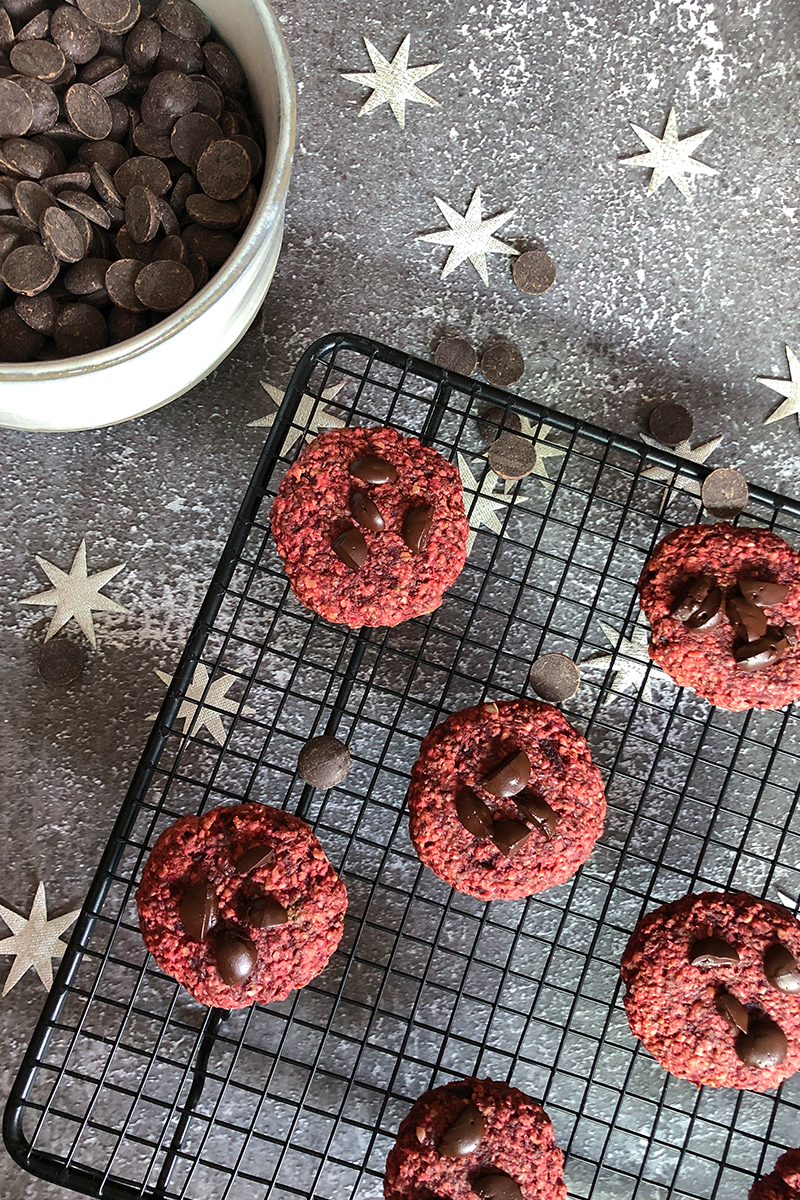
(313, 509)
(516, 1141)
(704, 659)
(295, 873)
(459, 753)
(678, 1006)
(781, 1184)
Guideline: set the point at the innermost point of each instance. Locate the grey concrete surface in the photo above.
(656, 299)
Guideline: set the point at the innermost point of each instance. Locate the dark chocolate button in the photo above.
(145, 171)
(456, 354)
(671, 424)
(725, 493)
(496, 1185)
(199, 910)
(40, 313)
(192, 134)
(255, 858)
(781, 969)
(80, 329)
(712, 952)
(351, 549)
(164, 286)
(537, 812)
(265, 912)
(496, 421)
(45, 104)
(37, 59)
(365, 512)
(755, 656)
(223, 68)
(237, 957)
(534, 272)
(692, 597)
(214, 245)
(465, 1134)
(88, 111)
(212, 214)
(29, 270)
(417, 525)
(76, 38)
(142, 46)
(764, 1046)
(141, 214)
(18, 341)
(31, 201)
(373, 470)
(749, 622)
(709, 612)
(502, 365)
(61, 236)
(16, 109)
(324, 761)
(88, 278)
(169, 95)
(511, 456)
(121, 279)
(762, 592)
(106, 14)
(183, 20)
(510, 777)
(223, 170)
(554, 677)
(60, 662)
(733, 1011)
(474, 814)
(510, 835)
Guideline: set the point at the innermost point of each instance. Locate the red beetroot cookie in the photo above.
(275, 905)
(462, 1133)
(781, 1184)
(713, 989)
(703, 659)
(549, 826)
(398, 567)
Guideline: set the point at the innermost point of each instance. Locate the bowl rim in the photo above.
(268, 210)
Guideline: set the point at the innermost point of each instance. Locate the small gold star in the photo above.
(670, 156)
(631, 661)
(195, 714)
(311, 412)
(35, 942)
(76, 594)
(790, 388)
(470, 236)
(393, 83)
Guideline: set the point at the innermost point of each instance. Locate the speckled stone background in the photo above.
(656, 299)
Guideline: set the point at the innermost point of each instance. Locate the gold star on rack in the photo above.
(683, 450)
(393, 83)
(479, 507)
(311, 412)
(789, 388)
(35, 942)
(630, 661)
(670, 157)
(198, 706)
(76, 594)
(470, 236)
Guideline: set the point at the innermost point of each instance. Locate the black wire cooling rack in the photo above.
(131, 1089)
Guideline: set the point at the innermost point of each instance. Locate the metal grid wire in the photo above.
(130, 1088)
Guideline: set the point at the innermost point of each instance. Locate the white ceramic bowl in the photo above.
(154, 367)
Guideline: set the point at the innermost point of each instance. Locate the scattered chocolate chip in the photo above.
(725, 493)
(456, 354)
(351, 549)
(749, 622)
(712, 952)
(511, 456)
(555, 677)
(164, 286)
(236, 956)
(534, 272)
(199, 910)
(781, 969)
(417, 525)
(538, 812)
(764, 1046)
(373, 470)
(255, 857)
(769, 649)
(474, 815)
(496, 421)
(496, 1185)
(223, 170)
(502, 365)
(733, 1011)
(510, 835)
(29, 270)
(465, 1134)
(510, 777)
(671, 424)
(365, 512)
(60, 662)
(324, 761)
(763, 592)
(266, 912)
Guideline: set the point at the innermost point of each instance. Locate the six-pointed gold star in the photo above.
(789, 388)
(630, 662)
(76, 594)
(198, 708)
(479, 507)
(393, 83)
(683, 450)
(470, 236)
(670, 157)
(311, 417)
(35, 942)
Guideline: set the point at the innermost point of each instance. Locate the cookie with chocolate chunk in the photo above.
(505, 800)
(478, 1137)
(370, 526)
(781, 1184)
(723, 604)
(713, 989)
(240, 905)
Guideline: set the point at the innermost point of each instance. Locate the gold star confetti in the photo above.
(670, 156)
(630, 662)
(470, 236)
(195, 714)
(311, 412)
(35, 942)
(683, 450)
(76, 594)
(479, 507)
(790, 388)
(393, 83)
